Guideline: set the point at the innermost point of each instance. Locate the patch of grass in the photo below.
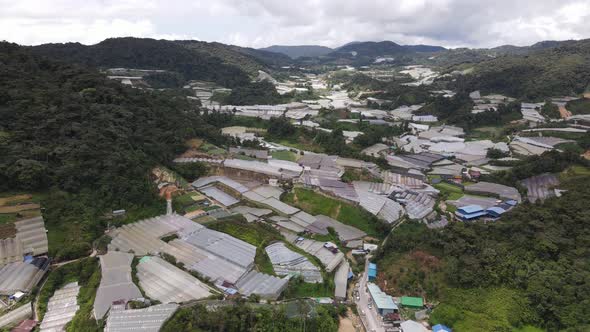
(498, 309)
(315, 203)
(574, 172)
(262, 262)
(6, 218)
(284, 155)
(299, 289)
(453, 196)
(415, 273)
(580, 106)
(446, 187)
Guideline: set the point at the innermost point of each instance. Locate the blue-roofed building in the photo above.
(511, 202)
(383, 303)
(495, 211)
(470, 212)
(372, 271)
(441, 328)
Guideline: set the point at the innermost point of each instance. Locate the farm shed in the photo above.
(166, 283)
(148, 319)
(62, 307)
(116, 283)
(264, 285)
(286, 262)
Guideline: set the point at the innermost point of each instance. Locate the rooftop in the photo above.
(382, 300)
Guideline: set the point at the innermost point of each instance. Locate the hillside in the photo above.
(89, 140)
(557, 71)
(374, 49)
(298, 51)
(486, 280)
(193, 60)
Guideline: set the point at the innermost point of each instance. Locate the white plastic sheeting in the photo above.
(62, 307)
(166, 283)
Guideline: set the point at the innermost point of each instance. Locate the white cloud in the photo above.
(260, 23)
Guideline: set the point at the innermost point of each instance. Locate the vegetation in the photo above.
(144, 53)
(558, 71)
(284, 155)
(88, 142)
(81, 271)
(485, 309)
(550, 110)
(190, 171)
(496, 153)
(315, 203)
(243, 317)
(540, 266)
(259, 235)
(255, 93)
(580, 106)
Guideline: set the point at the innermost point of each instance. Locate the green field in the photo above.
(284, 155)
(450, 191)
(497, 309)
(315, 203)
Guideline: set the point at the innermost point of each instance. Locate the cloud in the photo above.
(259, 23)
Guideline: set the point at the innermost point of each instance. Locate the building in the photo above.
(470, 212)
(412, 302)
(372, 271)
(495, 211)
(384, 303)
(146, 319)
(441, 328)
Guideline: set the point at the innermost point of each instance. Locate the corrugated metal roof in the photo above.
(204, 181)
(148, 319)
(382, 300)
(264, 285)
(13, 317)
(116, 283)
(20, 276)
(341, 280)
(288, 262)
(219, 195)
(62, 307)
(166, 283)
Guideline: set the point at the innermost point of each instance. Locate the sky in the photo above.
(332, 23)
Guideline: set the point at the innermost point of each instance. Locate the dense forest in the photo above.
(558, 71)
(87, 139)
(537, 254)
(143, 53)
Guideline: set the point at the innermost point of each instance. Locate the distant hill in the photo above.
(375, 49)
(535, 75)
(543, 45)
(299, 51)
(226, 65)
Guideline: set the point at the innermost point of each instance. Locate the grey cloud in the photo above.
(259, 23)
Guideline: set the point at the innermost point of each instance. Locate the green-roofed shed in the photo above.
(412, 302)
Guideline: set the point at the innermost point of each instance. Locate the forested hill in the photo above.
(557, 71)
(86, 142)
(297, 51)
(64, 126)
(193, 60)
(531, 267)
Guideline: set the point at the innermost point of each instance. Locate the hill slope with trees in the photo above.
(531, 267)
(554, 71)
(193, 60)
(88, 140)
